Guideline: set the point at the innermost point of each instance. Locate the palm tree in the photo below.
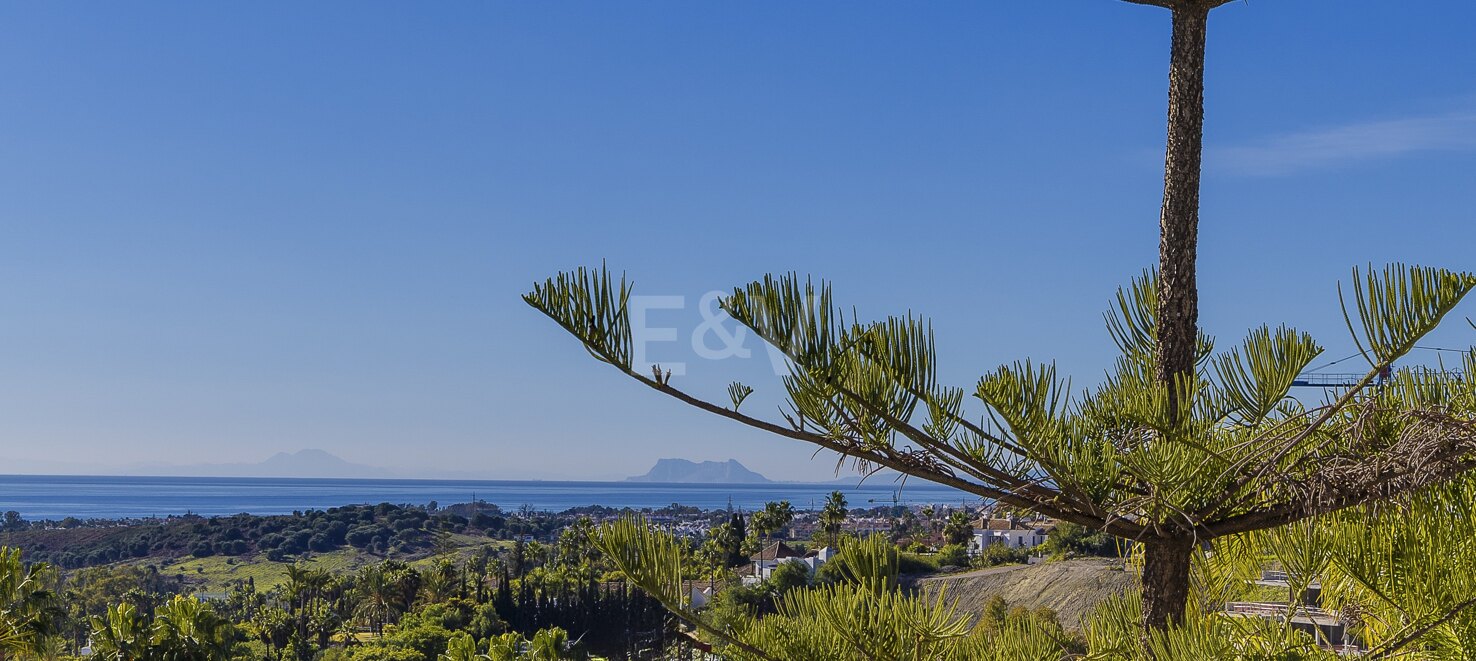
(441, 582)
(406, 582)
(461, 647)
(274, 628)
(304, 591)
(779, 515)
(958, 528)
(185, 628)
(505, 647)
(833, 517)
(377, 595)
(120, 635)
(28, 608)
(548, 644)
(305, 584)
(53, 648)
(760, 524)
(716, 552)
(317, 621)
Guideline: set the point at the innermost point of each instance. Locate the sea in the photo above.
(40, 497)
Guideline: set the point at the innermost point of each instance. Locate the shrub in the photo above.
(321, 543)
(1000, 554)
(953, 554)
(361, 536)
(912, 563)
(1070, 539)
(788, 576)
(336, 533)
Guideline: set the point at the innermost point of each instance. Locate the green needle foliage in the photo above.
(1179, 446)
(737, 392)
(591, 306)
(1120, 458)
(865, 616)
(1403, 573)
(1114, 634)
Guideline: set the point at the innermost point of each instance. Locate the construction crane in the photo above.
(1328, 380)
(1314, 378)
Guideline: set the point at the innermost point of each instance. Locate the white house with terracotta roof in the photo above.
(1011, 531)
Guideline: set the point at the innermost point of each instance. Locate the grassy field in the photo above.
(465, 547)
(217, 573)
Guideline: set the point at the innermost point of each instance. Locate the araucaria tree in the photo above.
(1179, 446)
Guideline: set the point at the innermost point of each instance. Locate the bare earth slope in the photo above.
(1070, 587)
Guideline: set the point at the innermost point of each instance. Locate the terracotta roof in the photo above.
(775, 551)
(1016, 524)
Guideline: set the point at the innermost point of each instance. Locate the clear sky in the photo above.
(231, 229)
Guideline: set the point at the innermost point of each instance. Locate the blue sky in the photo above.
(230, 230)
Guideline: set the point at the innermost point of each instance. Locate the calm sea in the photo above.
(55, 497)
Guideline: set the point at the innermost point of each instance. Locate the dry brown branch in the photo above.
(1431, 447)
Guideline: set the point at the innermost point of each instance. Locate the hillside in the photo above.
(373, 532)
(1070, 587)
(711, 472)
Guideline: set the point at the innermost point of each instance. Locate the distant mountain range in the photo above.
(303, 463)
(712, 472)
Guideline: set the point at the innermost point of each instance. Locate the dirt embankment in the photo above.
(1070, 587)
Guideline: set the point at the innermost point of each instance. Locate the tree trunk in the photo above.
(1178, 293)
(1165, 582)
(1166, 570)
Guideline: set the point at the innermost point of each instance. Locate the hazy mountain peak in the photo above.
(303, 463)
(305, 457)
(683, 470)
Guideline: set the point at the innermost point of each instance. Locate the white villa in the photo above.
(1011, 531)
(765, 561)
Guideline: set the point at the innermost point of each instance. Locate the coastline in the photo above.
(40, 497)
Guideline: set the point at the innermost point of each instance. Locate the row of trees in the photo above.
(405, 609)
(388, 611)
(383, 529)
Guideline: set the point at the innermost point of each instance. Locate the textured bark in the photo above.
(1166, 567)
(1178, 292)
(1165, 582)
